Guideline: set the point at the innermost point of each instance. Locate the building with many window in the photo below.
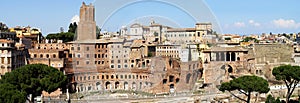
(189, 35)
(12, 54)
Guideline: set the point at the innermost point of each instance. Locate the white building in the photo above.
(119, 54)
(189, 35)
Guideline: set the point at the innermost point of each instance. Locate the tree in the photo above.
(10, 94)
(3, 27)
(290, 75)
(64, 36)
(33, 79)
(271, 99)
(246, 85)
(247, 39)
(72, 27)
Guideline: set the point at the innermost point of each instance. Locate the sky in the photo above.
(228, 16)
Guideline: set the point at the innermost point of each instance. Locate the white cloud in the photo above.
(287, 24)
(75, 19)
(253, 23)
(239, 24)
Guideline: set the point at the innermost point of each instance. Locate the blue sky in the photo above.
(232, 16)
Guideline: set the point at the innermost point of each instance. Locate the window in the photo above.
(72, 48)
(87, 62)
(77, 62)
(34, 55)
(87, 48)
(87, 55)
(112, 77)
(54, 56)
(112, 66)
(119, 61)
(2, 60)
(125, 66)
(41, 55)
(119, 66)
(112, 61)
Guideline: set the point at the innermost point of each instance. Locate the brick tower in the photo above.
(87, 26)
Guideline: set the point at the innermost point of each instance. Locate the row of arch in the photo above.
(42, 56)
(114, 85)
(112, 77)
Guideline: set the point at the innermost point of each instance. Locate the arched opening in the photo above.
(172, 89)
(112, 77)
(164, 81)
(117, 84)
(227, 56)
(81, 87)
(98, 86)
(188, 76)
(89, 88)
(172, 86)
(126, 85)
(134, 86)
(230, 70)
(260, 72)
(177, 80)
(107, 86)
(233, 56)
(238, 59)
(171, 78)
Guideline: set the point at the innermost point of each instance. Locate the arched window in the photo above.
(188, 76)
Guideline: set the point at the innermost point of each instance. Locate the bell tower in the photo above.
(87, 26)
